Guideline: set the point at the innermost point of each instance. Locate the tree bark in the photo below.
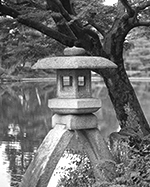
(126, 104)
(121, 92)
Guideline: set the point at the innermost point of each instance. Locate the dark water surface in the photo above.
(25, 119)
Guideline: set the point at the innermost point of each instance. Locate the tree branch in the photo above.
(99, 28)
(84, 39)
(37, 5)
(120, 8)
(57, 3)
(75, 26)
(78, 37)
(8, 11)
(144, 5)
(128, 7)
(68, 6)
(62, 38)
(62, 25)
(135, 21)
(142, 23)
(96, 41)
(28, 3)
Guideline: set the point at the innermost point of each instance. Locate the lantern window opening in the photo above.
(67, 81)
(81, 81)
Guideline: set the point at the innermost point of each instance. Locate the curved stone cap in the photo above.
(74, 62)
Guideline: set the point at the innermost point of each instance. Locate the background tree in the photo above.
(22, 46)
(73, 27)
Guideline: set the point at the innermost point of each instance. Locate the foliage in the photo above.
(20, 45)
(138, 57)
(81, 174)
(94, 12)
(136, 171)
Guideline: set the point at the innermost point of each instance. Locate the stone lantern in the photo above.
(73, 116)
(74, 95)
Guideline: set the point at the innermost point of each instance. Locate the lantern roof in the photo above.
(74, 62)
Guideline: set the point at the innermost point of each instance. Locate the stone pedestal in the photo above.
(74, 106)
(75, 122)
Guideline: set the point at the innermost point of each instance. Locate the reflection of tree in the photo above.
(26, 103)
(143, 93)
(25, 119)
(19, 161)
(106, 115)
(25, 106)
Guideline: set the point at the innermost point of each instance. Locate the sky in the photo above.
(110, 2)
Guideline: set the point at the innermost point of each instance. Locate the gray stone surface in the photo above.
(74, 62)
(75, 122)
(74, 90)
(47, 156)
(74, 106)
(74, 51)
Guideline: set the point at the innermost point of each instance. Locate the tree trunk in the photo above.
(121, 92)
(126, 104)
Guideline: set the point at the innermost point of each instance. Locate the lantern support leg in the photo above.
(92, 141)
(81, 127)
(49, 153)
(98, 153)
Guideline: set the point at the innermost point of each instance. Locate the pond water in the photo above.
(25, 119)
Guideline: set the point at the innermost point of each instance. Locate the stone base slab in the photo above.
(75, 122)
(74, 106)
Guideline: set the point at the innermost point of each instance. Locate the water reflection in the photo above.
(25, 119)
(143, 92)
